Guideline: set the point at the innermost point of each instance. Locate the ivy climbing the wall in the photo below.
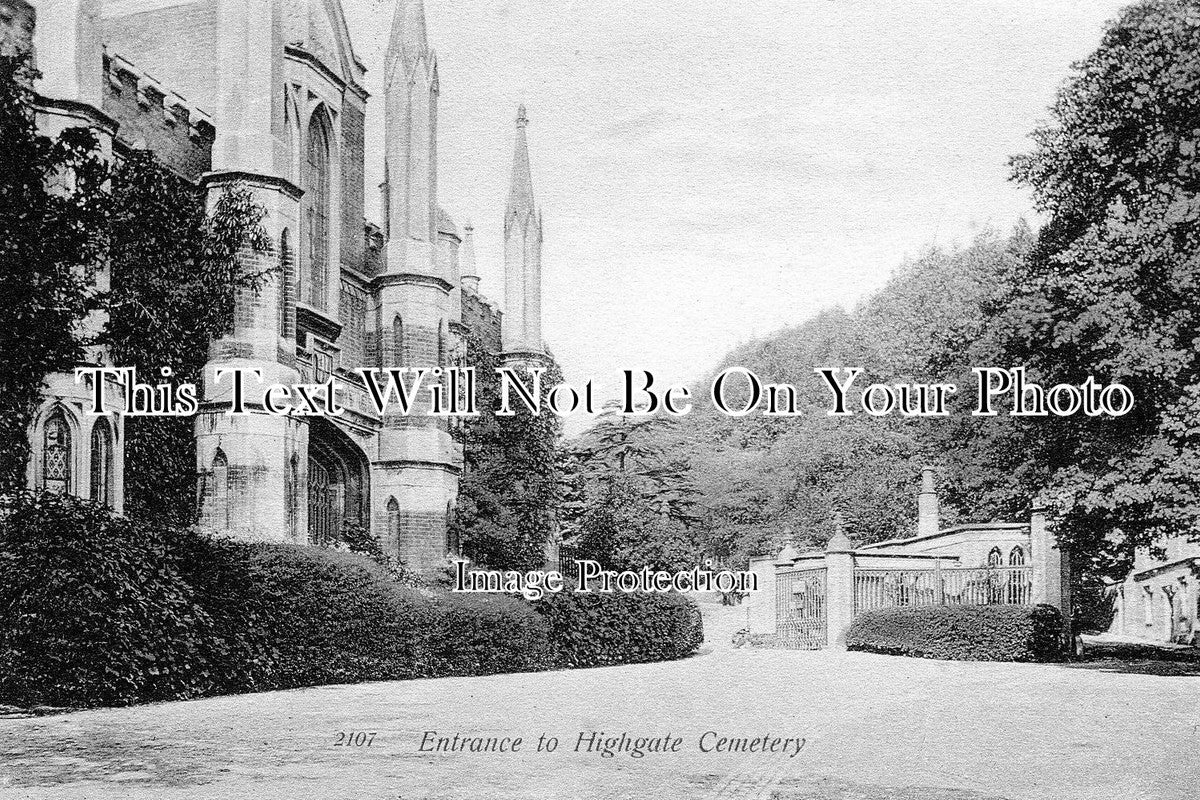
(508, 494)
(175, 274)
(52, 231)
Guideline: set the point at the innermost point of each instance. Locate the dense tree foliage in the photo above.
(1112, 288)
(173, 273)
(629, 503)
(52, 208)
(508, 493)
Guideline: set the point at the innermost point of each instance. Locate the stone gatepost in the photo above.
(760, 605)
(839, 587)
(1050, 564)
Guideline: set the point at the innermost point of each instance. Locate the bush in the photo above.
(488, 634)
(334, 617)
(592, 629)
(224, 577)
(92, 611)
(962, 633)
(98, 609)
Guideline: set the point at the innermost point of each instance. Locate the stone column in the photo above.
(927, 504)
(839, 588)
(1050, 565)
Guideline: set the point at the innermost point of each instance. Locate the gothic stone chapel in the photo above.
(268, 94)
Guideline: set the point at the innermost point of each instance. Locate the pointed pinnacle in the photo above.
(520, 192)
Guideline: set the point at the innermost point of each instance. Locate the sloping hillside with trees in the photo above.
(1108, 288)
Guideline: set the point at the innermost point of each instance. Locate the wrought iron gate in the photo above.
(800, 608)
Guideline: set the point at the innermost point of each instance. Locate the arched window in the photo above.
(286, 282)
(291, 120)
(393, 525)
(220, 490)
(317, 191)
(397, 342)
(995, 579)
(101, 478)
(1017, 584)
(56, 454)
(441, 344)
(293, 492)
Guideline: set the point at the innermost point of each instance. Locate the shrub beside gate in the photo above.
(962, 633)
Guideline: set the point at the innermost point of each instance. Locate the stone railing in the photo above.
(962, 586)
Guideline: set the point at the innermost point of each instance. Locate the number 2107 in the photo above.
(354, 739)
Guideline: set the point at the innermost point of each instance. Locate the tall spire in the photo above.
(521, 325)
(407, 42)
(520, 192)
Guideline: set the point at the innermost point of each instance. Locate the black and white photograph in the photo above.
(599, 400)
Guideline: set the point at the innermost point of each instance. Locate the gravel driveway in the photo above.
(871, 727)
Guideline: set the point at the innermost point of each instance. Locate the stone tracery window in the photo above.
(220, 490)
(286, 282)
(1016, 577)
(317, 192)
(56, 454)
(101, 463)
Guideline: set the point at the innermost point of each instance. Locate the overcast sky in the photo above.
(713, 170)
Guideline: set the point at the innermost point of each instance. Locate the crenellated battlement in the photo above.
(154, 117)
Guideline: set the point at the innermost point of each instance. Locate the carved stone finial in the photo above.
(839, 542)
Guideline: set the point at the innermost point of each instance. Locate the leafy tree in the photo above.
(624, 527)
(1112, 288)
(631, 504)
(52, 213)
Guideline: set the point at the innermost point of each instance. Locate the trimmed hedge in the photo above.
(591, 630)
(962, 633)
(91, 607)
(489, 634)
(333, 617)
(97, 609)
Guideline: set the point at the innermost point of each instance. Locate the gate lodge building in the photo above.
(809, 600)
(267, 95)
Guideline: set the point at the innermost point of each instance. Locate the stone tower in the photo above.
(415, 476)
(252, 466)
(522, 323)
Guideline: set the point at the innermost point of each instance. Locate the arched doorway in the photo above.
(338, 483)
